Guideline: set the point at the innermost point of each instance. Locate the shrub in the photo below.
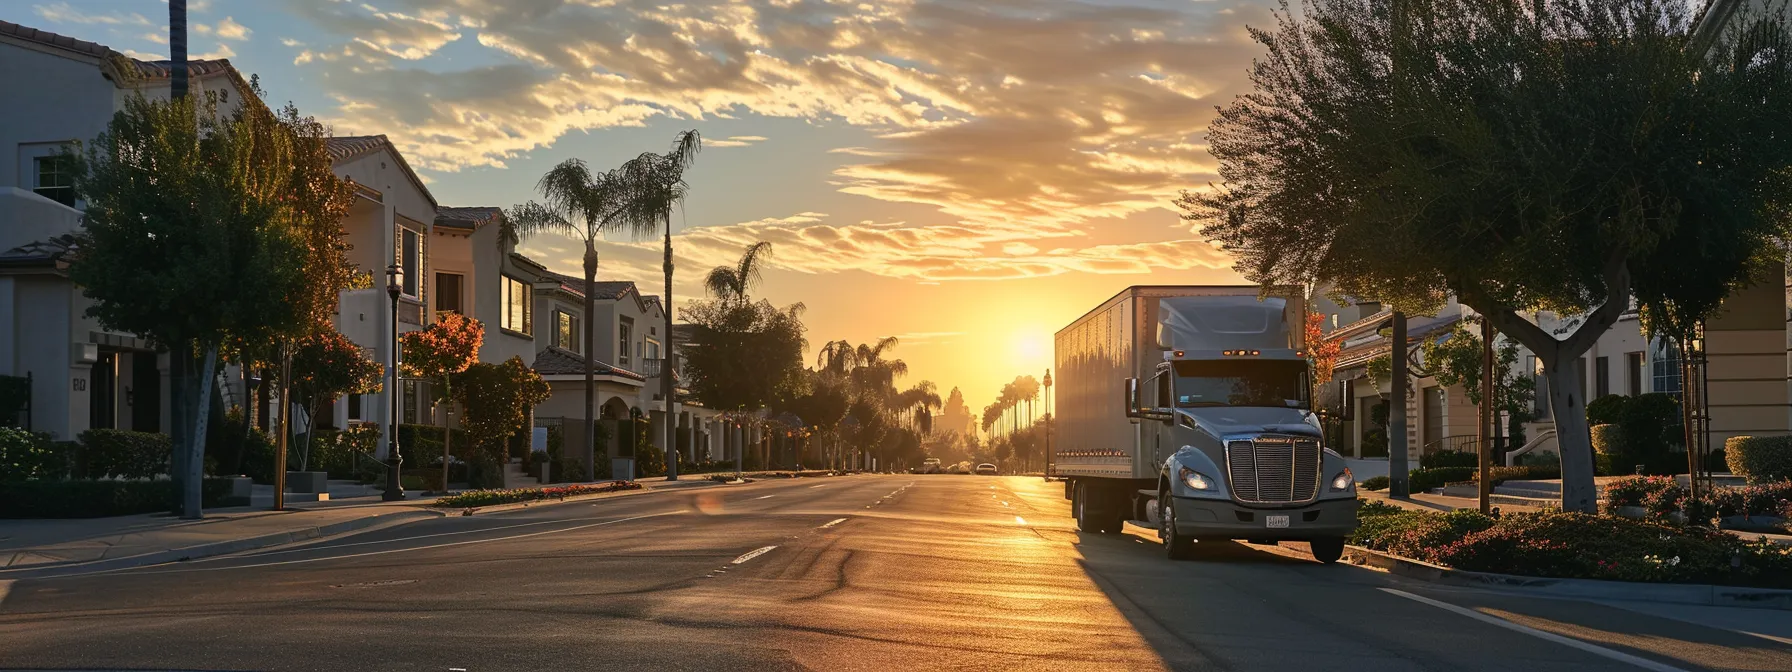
(496, 497)
(96, 499)
(1449, 458)
(27, 456)
(1551, 543)
(1421, 480)
(124, 454)
(1606, 410)
(1376, 483)
(1540, 459)
(1760, 459)
(1525, 473)
(1606, 439)
(338, 451)
(1635, 490)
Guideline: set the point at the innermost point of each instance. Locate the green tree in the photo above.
(195, 237)
(582, 204)
(1561, 155)
(438, 352)
(1456, 359)
(497, 399)
(658, 186)
(326, 365)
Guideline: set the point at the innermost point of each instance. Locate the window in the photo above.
(54, 180)
(448, 293)
(1275, 383)
(519, 306)
(1162, 398)
(653, 348)
(410, 402)
(1633, 373)
(410, 260)
(624, 337)
(1666, 368)
(1602, 376)
(354, 407)
(566, 331)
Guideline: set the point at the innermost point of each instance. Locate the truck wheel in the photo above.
(1177, 546)
(1079, 506)
(1327, 550)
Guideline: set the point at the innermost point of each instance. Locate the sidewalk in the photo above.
(126, 541)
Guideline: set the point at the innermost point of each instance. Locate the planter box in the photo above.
(1752, 523)
(242, 491)
(308, 481)
(543, 472)
(1633, 512)
(622, 468)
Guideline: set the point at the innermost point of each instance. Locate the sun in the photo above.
(1029, 345)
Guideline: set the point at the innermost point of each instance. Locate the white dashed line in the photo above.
(1004, 503)
(753, 554)
(830, 523)
(1019, 520)
(1540, 634)
(765, 497)
(812, 487)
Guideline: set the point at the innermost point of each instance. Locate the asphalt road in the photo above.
(856, 572)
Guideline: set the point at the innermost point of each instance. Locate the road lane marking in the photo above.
(1540, 634)
(1004, 503)
(831, 523)
(371, 553)
(752, 554)
(1019, 520)
(765, 497)
(823, 485)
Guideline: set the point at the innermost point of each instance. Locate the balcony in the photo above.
(651, 368)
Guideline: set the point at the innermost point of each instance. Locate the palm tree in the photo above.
(730, 283)
(659, 186)
(177, 49)
(578, 203)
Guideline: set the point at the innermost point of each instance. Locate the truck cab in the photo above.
(1189, 410)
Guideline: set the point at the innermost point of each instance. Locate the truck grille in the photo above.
(1273, 469)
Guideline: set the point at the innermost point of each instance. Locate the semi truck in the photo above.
(1188, 410)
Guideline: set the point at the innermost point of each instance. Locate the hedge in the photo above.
(98, 499)
(1556, 544)
(119, 453)
(1521, 473)
(1760, 459)
(1422, 480)
(1662, 496)
(26, 456)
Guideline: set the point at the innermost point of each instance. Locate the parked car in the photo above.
(986, 469)
(930, 465)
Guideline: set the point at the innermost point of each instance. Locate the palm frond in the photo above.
(722, 282)
(528, 219)
(748, 270)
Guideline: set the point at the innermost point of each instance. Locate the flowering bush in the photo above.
(1551, 543)
(496, 497)
(1635, 490)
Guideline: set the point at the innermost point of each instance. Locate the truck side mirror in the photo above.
(1132, 398)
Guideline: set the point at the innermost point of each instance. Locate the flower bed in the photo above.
(1661, 497)
(496, 497)
(1555, 544)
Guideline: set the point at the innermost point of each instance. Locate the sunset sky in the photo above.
(968, 175)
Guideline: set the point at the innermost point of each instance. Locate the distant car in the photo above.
(930, 465)
(986, 469)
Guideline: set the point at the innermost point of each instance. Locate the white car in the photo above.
(930, 465)
(986, 469)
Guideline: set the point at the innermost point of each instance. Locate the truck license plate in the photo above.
(1275, 521)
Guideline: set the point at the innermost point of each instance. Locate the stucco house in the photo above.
(62, 91)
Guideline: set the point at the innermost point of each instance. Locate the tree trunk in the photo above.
(447, 429)
(195, 473)
(1569, 407)
(178, 364)
(590, 355)
(666, 387)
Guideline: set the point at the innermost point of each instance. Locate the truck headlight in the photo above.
(1344, 481)
(1195, 479)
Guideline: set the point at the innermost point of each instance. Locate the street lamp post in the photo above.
(1048, 424)
(394, 491)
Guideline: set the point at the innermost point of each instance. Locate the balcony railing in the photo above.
(651, 368)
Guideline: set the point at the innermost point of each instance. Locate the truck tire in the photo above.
(1177, 546)
(1327, 550)
(1080, 509)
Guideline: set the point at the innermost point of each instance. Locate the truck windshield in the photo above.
(1241, 382)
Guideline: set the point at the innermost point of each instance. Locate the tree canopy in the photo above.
(1560, 155)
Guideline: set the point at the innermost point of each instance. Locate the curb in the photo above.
(1669, 593)
(224, 547)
